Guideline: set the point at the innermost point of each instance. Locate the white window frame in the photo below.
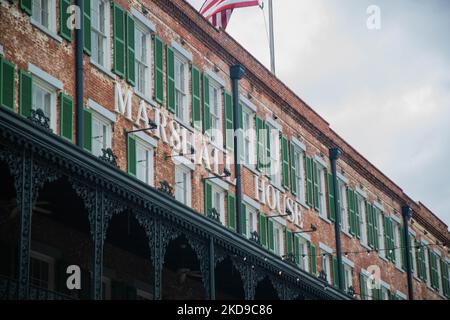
(343, 206)
(379, 215)
(103, 121)
(106, 34)
(47, 87)
(413, 249)
(182, 117)
(348, 276)
(397, 244)
(321, 174)
(384, 292)
(216, 189)
(326, 264)
(427, 263)
(248, 154)
(360, 202)
(147, 93)
(151, 155)
(216, 133)
(183, 170)
(252, 220)
(275, 156)
(51, 28)
(278, 238)
(299, 163)
(51, 267)
(303, 247)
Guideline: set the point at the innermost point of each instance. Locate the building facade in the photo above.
(117, 156)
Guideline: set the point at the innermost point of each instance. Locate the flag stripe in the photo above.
(218, 12)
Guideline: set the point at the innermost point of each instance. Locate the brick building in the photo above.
(117, 152)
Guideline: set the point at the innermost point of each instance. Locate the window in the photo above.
(144, 162)
(101, 134)
(384, 293)
(343, 203)
(303, 254)
(427, 264)
(321, 175)
(44, 98)
(100, 31)
(215, 100)
(360, 202)
(278, 240)
(275, 150)
(299, 174)
(326, 264)
(181, 85)
(413, 254)
(44, 14)
(379, 220)
(248, 121)
(217, 201)
(42, 270)
(348, 275)
(252, 218)
(183, 184)
(397, 244)
(142, 59)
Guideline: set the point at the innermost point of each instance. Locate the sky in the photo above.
(386, 91)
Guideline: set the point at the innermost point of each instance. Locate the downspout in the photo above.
(236, 73)
(335, 153)
(406, 214)
(79, 76)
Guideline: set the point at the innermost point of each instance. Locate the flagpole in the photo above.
(271, 39)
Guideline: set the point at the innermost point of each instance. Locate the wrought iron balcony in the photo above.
(9, 291)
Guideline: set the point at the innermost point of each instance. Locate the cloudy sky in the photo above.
(386, 91)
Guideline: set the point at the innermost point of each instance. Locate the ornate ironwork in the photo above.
(254, 236)
(166, 188)
(39, 118)
(290, 258)
(109, 157)
(214, 215)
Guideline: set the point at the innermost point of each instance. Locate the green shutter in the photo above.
(206, 110)
(27, 6)
(260, 144)
(64, 31)
(432, 256)
(25, 94)
(289, 242)
(87, 130)
(231, 204)
(297, 249)
(370, 228)
(285, 162)
(158, 64)
(244, 221)
(270, 234)
(375, 228)
(363, 286)
(229, 126)
(331, 207)
(263, 230)
(131, 155)
(313, 259)
(445, 278)
(119, 39)
(335, 272)
(293, 169)
(131, 72)
(267, 144)
(388, 238)
(208, 197)
(66, 116)
(309, 182)
(357, 216)
(170, 79)
(196, 113)
(87, 26)
(315, 176)
(7, 73)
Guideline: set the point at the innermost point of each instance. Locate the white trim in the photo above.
(218, 182)
(142, 19)
(365, 272)
(378, 205)
(103, 69)
(305, 236)
(213, 76)
(342, 177)
(101, 110)
(185, 162)
(1, 50)
(36, 71)
(321, 161)
(179, 48)
(247, 103)
(279, 220)
(325, 248)
(361, 192)
(425, 242)
(273, 122)
(49, 32)
(401, 294)
(251, 202)
(348, 262)
(412, 232)
(299, 144)
(447, 259)
(385, 285)
(146, 138)
(437, 252)
(396, 218)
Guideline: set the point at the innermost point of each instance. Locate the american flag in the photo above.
(218, 12)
